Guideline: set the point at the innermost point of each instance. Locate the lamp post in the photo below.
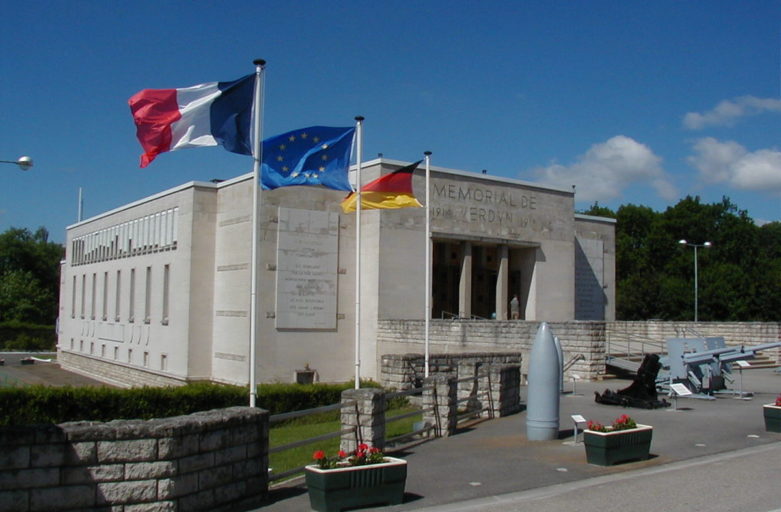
(705, 244)
(24, 162)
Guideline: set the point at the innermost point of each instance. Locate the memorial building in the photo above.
(158, 291)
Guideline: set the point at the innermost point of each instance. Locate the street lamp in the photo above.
(705, 244)
(24, 162)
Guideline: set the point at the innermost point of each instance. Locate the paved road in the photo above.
(746, 480)
(13, 373)
(706, 455)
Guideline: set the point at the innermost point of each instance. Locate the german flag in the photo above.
(393, 190)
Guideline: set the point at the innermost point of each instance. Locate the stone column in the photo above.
(505, 389)
(502, 283)
(367, 415)
(465, 284)
(439, 404)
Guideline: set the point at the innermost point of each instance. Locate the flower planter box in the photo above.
(608, 448)
(332, 490)
(772, 417)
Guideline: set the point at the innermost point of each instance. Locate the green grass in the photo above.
(295, 431)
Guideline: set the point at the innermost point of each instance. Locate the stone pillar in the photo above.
(367, 415)
(439, 404)
(502, 283)
(505, 389)
(465, 284)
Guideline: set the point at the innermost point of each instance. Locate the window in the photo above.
(94, 289)
(83, 293)
(146, 359)
(91, 347)
(105, 296)
(130, 355)
(103, 350)
(118, 296)
(132, 313)
(81, 345)
(166, 292)
(163, 362)
(116, 353)
(148, 295)
(73, 299)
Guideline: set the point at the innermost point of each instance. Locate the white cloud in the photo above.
(606, 169)
(728, 111)
(729, 162)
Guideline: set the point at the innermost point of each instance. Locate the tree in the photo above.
(739, 275)
(29, 276)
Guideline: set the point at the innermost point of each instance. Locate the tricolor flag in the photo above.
(393, 190)
(317, 155)
(211, 114)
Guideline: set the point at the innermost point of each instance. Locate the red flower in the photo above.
(318, 455)
(342, 454)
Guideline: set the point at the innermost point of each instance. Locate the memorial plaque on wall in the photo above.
(307, 259)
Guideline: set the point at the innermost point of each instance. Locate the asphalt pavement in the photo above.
(705, 455)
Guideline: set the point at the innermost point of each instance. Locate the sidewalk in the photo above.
(493, 463)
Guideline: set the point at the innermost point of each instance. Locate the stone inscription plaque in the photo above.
(307, 259)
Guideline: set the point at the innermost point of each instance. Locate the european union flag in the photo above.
(318, 155)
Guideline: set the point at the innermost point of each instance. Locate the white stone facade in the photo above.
(158, 291)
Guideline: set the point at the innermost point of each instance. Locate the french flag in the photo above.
(211, 114)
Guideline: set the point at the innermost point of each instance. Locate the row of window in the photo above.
(154, 232)
(112, 288)
(146, 359)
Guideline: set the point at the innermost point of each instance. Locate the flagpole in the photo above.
(257, 201)
(358, 157)
(427, 313)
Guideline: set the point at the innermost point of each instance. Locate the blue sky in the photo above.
(632, 102)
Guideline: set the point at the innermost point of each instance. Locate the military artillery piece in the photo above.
(642, 392)
(703, 365)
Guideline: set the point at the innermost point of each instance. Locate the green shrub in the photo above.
(42, 404)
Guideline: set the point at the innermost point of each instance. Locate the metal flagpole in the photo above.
(358, 157)
(428, 260)
(257, 201)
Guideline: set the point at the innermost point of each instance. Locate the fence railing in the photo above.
(279, 418)
(478, 401)
(495, 390)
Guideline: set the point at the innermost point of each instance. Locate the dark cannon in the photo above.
(642, 392)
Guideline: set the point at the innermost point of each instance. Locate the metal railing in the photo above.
(424, 429)
(626, 344)
(278, 418)
(473, 401)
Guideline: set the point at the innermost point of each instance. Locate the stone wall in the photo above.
(214, 460)
(487, 339)
(406, 371)
(590, 340)
(646, 336)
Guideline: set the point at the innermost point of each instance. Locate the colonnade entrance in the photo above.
(478, 280)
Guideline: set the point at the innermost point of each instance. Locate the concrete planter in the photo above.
(332, 490)
(772, 414)
(608, 448)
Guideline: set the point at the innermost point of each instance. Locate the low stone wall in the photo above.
(590, 340)
(485, 339)
(214, 460)
(734, 333)
(406, 371)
